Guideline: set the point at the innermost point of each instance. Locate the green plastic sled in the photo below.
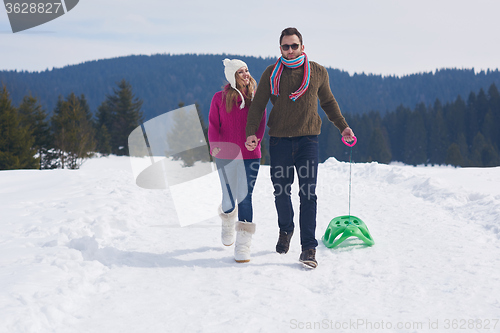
(346, 226)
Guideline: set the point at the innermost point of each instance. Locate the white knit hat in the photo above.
(230, 68)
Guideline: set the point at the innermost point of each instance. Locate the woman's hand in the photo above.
(215, 151)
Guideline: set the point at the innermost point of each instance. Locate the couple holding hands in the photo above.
(237, 120)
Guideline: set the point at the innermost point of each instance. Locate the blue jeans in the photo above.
(288, 155)
(237, 178)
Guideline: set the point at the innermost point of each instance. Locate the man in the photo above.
(294, 86)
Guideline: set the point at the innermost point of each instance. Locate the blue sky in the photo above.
(380, 37)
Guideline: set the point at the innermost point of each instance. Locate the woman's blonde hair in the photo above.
(230, 95)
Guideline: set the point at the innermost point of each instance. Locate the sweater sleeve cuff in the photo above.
(341, 124)
(250, 130)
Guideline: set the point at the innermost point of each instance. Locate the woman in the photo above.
(237, 165)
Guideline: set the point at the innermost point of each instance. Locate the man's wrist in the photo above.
(250, 133)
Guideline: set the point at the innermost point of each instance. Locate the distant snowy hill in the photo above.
(89, 251)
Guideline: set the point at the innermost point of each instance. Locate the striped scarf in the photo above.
(295, 63)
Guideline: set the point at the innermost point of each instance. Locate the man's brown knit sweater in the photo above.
(299, 118)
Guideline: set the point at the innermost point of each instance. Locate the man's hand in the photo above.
(251, 142)
(347, 134)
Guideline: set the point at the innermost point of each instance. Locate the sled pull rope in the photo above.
(347, 226)
(350, 171)
(350, 177)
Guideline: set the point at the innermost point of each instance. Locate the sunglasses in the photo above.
(285, 47)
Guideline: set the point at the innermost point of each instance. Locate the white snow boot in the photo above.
(244, 232)
(228, 220)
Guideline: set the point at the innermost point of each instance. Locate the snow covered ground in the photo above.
(89, 251)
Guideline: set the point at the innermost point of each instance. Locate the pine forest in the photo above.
(60, 117)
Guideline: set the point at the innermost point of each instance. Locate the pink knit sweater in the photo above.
(227, 130)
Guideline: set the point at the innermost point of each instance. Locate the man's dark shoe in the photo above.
(284, 242)
(308, 258)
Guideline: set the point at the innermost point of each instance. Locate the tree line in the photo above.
(460, 133)
(31, 139)
(162, 80)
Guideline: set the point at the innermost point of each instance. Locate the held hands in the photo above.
(347, 134)
(252, 142)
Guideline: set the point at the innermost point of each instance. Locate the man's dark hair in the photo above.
(290, 32)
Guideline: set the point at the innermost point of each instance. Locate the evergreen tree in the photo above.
(494, 107)
(464, 150)
(34, 117)
(365, 125)
(489, 156)
(74, 137)
(438, 135)
(378, 147)
(415, 150)
(494, 97)
(103, 140)
(481, 106)
(16, 140)
(471, 119)
(490, 126)
(453, 155)
(396, 124)
(183, 139)
(478, 145)
(456, 118)
(120, 113)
